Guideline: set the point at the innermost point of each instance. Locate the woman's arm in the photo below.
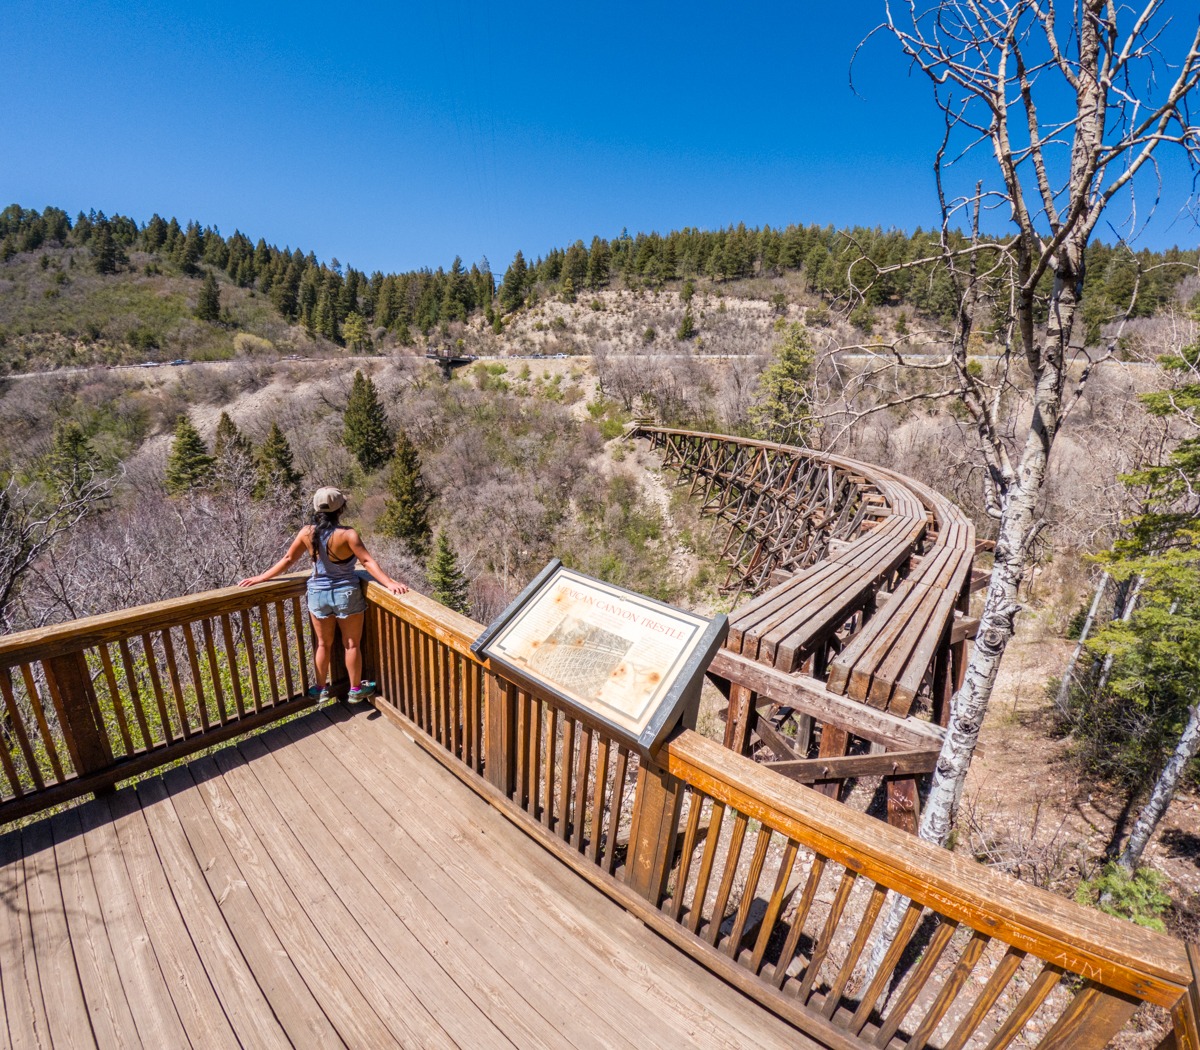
(372, 566)
(299, 547)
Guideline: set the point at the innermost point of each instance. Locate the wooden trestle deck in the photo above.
(329, 883)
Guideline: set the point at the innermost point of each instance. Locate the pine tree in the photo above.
(512, 291)
(71, 462)
(405, 511)
(230, 441)
(365, 430)
(208, 307)
(189, 466)
(355, 332)
(687, 327)
(1155, 651)
(446, 580)
(276, 468)
(104, 250)
(783, 413)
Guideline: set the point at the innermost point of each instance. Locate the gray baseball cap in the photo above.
(329, 499)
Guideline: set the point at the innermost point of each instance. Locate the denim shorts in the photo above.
(324, 602)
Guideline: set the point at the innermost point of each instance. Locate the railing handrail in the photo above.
(41, 643)
(1114, 952)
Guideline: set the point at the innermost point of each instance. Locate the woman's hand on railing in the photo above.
(250, 581)
(396, 587)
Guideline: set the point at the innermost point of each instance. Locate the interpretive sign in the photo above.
(625, 660)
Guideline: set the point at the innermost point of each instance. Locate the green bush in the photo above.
(1141, 897)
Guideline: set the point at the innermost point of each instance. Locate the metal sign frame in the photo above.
(627, 663)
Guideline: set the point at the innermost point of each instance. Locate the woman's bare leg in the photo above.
(352, 629)
(325, 630)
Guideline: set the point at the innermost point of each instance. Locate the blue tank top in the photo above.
(328, 572)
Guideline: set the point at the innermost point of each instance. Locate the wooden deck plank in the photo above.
(112, 1020)
(478, 901)
(335, 989)
(146, 990)
(408, 919)
(195, 1000)
(152, 822)
(706, 1006)
(293, 1004)
(287, 834)
(24, 1010)
(69, 1023)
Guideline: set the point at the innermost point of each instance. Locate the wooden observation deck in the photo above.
(471, 864)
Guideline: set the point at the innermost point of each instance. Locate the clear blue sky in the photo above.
(398, 135)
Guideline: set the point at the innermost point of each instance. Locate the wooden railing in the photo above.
(772, 885)
(89, 703)
(775, 887)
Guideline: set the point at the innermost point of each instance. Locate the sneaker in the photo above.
(319, 692)
(363, 691)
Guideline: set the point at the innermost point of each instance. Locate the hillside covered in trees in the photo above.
(100, 289)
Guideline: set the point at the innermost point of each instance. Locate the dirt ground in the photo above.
(1027, 807)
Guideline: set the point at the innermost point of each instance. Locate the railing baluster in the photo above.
(749, 890)
(599, 796)
(285, 654)
(214, 670)
(189, 642)
(251, 659)
(695, 804)
(567, 766)
(6, 758)
(551, 766)
(268, 644)
(18, 724)
(912, 915)
(618, 806)
(987, 998)
(827, 934)
(732, 858)
(534, 743)
(581, 788)
(834, 995)
(35, 702)
(716, 818)
(775, 906)
(454, 702)
(235, 670)
(301, 628)
(1043, 984)
(114, 696)
(173, 673)
(915, 983)
(159, 695)
(954, 984)
(135, 695)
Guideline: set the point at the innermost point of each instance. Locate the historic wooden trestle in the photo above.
(339, 879)
(859, 583)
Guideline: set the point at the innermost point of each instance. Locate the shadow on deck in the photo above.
(323, 883)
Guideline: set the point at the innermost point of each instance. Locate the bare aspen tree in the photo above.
(1072, 105)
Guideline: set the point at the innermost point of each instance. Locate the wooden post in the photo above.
(655, 824)
(738, 722)
(83, 725)
(500, 721)
(903, 803)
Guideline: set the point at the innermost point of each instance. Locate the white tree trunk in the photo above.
(1064, 688)
(1164, 791)
(1126, 613)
